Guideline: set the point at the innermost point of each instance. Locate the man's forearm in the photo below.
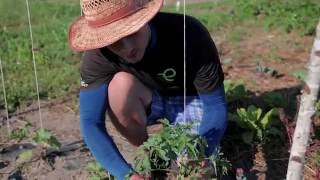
(214, 120)
(93, 104)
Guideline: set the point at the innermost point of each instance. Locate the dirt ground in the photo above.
(285, 55)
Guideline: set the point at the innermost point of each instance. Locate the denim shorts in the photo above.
(172, 108)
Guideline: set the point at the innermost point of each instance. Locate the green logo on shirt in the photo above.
(168, 74)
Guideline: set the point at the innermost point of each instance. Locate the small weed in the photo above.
(300, 74)
(46, 138)
(97, 172)
(19, 134)
(266, 70)
(234, 91)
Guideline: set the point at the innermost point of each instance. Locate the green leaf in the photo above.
(193, 150)
(53, 142)
(234, 91)
(94, 167)
(162, 155)
(26, 155)
(300, 74)
(258, 114)
(42, 135)
(266, 121)
(19, 134)
(45, 137)
(253, 113)
(146, 165)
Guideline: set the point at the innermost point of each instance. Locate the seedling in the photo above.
(300, 74)
(174, 151)
(266, 70)
(97, 172)
(20, 133)
(256, 125)
(46, 138)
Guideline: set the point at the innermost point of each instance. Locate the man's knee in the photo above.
(127, 95)
(125, 83)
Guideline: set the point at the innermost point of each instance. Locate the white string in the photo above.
(5, 97)
(81, 13)
(184, 62)
(34, 63)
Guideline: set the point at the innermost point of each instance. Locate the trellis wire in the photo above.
(34, 63)
(184, 62)
(5, 97)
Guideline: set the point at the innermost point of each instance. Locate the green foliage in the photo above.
(20, 133)
(318, 108)
(290, 15)
(96, 171)
(57, 66)
(300, 74)
(234, 91)
(258, 127)
(295, 14)
(25, 155)
(46, 138)
(160, 151)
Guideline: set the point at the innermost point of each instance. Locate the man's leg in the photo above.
(128, 99)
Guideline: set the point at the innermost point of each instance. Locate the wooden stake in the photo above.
(306, 112)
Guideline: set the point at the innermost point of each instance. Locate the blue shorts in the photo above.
(172, 108)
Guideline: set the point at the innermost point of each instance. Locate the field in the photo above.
(264, 48)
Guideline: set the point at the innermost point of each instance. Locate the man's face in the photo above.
(132, 47)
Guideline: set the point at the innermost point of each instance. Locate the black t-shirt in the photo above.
(162, 67)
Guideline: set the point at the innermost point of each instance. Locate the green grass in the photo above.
(291, 15)
(58, 67)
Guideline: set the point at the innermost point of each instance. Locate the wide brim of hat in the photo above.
(82, 37)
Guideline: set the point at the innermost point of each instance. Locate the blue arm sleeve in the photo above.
(93, 104)
(214, 120)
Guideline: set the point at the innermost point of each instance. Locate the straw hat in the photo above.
(106, 21)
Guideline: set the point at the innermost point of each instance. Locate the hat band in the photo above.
(122, 12)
